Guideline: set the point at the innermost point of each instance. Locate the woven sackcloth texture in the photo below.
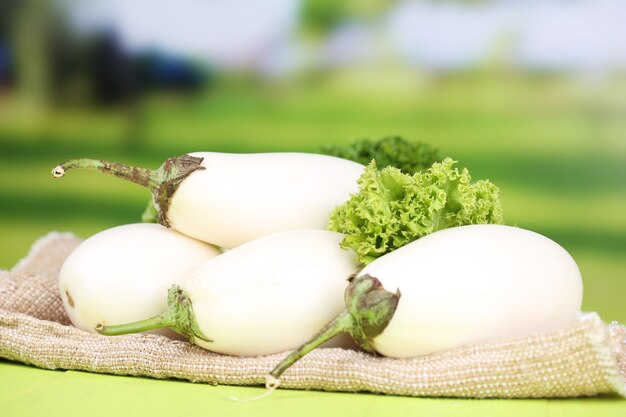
(589, 358)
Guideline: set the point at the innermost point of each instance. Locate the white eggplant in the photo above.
(454, 287)
(228, 199)
(265, 296)
(120, 274)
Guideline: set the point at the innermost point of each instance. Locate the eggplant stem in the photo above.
(142, 176)
(178, 316)
(342, 323)
(162, 182)
(369, 308)
(165, 319)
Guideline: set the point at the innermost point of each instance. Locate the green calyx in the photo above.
(162, 182)
(369, 309)
(179, 317)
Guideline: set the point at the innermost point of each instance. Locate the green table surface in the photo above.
(29, 391)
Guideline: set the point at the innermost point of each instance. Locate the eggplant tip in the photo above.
(58, 171)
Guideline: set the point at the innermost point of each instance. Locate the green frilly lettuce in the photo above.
(392, 208)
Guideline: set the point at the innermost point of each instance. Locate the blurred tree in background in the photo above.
(320, 16)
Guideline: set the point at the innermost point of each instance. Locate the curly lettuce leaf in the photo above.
(409, 157)
(392, 208)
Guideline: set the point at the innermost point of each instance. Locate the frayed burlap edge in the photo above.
(587, 359)
(580, 361)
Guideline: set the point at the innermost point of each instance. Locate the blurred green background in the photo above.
(553, 138)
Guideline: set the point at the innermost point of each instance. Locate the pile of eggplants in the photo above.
(242, 264)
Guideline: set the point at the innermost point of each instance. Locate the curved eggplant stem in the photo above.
(369, 309)
(342, 323)
(162, 182)
(142, 176)
(178, 316)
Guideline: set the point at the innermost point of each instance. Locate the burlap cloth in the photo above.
(586, 359)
